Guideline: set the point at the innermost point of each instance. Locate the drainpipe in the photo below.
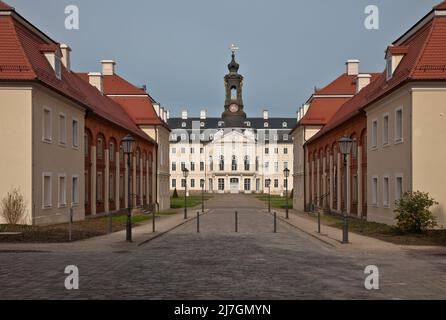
(156, 170)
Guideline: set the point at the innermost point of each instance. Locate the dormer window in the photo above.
(221, 123)
(53, 55)
(58, 67)
(284, 125)
(248, 123)
(184, 125)
(389, 71)
(394, 56)
(266, 124)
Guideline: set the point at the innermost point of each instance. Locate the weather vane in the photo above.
(234, 48)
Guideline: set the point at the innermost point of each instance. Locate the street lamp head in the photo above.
(345, 145)
(127, 143)
(185, 172)
(286, 172)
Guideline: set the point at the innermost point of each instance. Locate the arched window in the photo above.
(121, 153)
(112, 151)
(354, 148)
(233, 93)
(138, 158)
(222, 163)
(234, 163)
(144, 162)
(100, 148)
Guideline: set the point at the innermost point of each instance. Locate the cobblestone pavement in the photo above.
(218, 263)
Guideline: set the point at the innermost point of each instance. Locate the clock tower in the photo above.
(234, 116)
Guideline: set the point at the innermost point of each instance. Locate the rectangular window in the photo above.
(192, 183)
(47, 125)
(201, 150)
(62, 129)
(99, 186)
(174, 166)
(375, 191)
(192, 150)
(192, 166)
(247, 184)
(375, 133)
(386, 130)
(202, 166)
(183, 183)
(174, 150)
(276, 183)
(399, 125)
(398, 188)
(111, 187)
(285, 151)
(62, 191)
(276, 167)
(183, 150)
(174, 183)
(183, 166)
(75, 190)
(386, 192)
(75, 133)
(221, 184)
(266, 150)
(285, 165)
(47, 191)
(276, 150)
(266, 166)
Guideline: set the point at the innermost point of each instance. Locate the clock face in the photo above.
(233, 108)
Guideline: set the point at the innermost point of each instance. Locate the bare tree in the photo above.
(13, 207)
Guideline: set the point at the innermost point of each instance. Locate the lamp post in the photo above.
(202, 195)
(185, 175)
(286, 173)
(128, 143)
(268, 185)
(345, 146)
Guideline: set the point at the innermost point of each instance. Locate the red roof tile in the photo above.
(321, 110)
(117, 85)
(441, 6)
(140, 109)
(6, 7)
(344, 85)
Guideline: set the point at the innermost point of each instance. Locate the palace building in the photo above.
(233, 153)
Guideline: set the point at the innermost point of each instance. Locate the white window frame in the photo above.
(375, 190)
(50, 205)
(48, 139)
(401, 139)
(399, 176)
(74, 195)
(384, 131)
(58, 67)
(386, 195)
(389, 68)
(374, 134)
(62, 133)
(75, 141)
(63, 203)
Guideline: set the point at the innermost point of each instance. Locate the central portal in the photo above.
(235, 185)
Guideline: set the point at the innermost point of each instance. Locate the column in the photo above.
(331, 182)
(324, 182)
(360, 193)
(117, 177)
(93, 181)
(318, 182)
(339, 182)
(107, 181)
(349, 186)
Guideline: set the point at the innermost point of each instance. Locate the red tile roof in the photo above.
(344, 85)
(117, 85)
(441, 6)
(21, 59)
(321, 110)
(4, 6)
(425, 60)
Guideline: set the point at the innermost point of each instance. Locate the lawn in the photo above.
(80, 230)
(277, 201)
(191, 201)
(388, 233)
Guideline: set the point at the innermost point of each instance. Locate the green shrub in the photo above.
(175, 194)
(413, 212)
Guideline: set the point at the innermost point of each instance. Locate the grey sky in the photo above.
(180, 48)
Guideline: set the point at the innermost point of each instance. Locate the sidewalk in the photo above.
(332, 236)
(112, 242)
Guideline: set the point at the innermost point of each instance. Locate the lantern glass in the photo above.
(128, 143)
(345, 145)
(268, 183)
(286, 173)
(185, 173)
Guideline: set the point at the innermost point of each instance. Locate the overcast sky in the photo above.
(180, 49)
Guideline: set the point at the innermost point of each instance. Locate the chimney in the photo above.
(165, 115)
(156, 106)
(65, 49)
(362, 81)
(184, 114)
(108, 67)
(161, 114)
(203, 114)
(168, 114)
(352, 67)
(95, 79)
(265, 115)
